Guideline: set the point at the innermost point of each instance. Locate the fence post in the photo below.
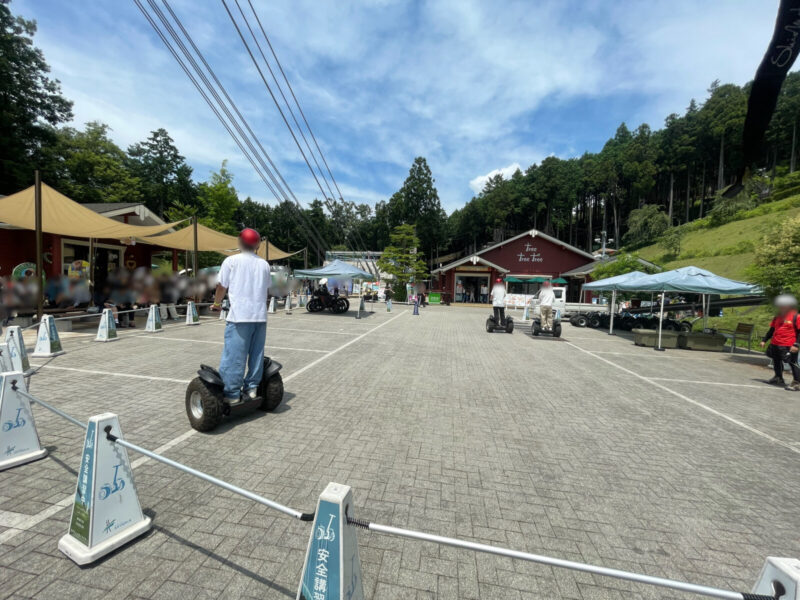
(332, 568)
(19, 440)
(153, 324)
(106, 512)
(192, 318)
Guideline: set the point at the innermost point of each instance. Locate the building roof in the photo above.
(533, 233)
(586, 269)
(474, 259)
(142, 214)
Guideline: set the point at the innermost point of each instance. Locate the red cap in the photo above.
(498, 280)
(250, 237)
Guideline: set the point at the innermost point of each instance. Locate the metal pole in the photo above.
(305, 257)
(564, 564)
(194, 258)
(37, 207)
(661, 321)
(613, 302)
(49, 407)
(91, 268)
(218, 482)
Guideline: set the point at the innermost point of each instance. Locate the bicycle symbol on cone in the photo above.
(328, 534)
(116, 485)
(17, 422)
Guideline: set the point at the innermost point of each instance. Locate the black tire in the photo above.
(686, 327)
(536, 329)
(340, 306)
(581, 321)
(203, 405)
(509, 325)
(490, 325)
(271, 390)
(314, 305)
(594, 321)
(557, 330)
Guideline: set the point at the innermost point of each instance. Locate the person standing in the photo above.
(387, 293)
(460, 292)
(546, 299)
(784, 337)
(499, 302)
(484, 293)
(245, 278)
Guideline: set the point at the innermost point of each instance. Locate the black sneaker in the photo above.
(777, 381)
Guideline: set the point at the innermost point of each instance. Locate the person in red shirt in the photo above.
(784, 338)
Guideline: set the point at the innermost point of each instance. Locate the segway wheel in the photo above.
(489, 325)
(203, 405)
(536, 329)
(557, 330)
(509, 325)
(271, 390)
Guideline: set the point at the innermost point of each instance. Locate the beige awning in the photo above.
(63, 216)
(210, 240)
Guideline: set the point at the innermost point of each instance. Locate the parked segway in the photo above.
(492, 325)
(536, 325)
(205, 404)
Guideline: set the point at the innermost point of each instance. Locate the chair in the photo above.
(743, 331)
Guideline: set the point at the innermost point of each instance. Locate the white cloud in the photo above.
(478, 183)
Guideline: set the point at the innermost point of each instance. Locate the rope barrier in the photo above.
(561, 563)
(88, 315)
(213, 480)
(49, 407)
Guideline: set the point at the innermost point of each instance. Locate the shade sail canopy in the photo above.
(337, 268)
(63, 216)
(689, 279)
(209, 240)
(612, 283)
(559, 280)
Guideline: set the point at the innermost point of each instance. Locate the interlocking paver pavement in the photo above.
(583, 448)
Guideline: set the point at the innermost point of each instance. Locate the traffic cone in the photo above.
(332, 562)
(153, 324)
(289, 304)
(192, 318)
(106, 512)
(14, 334)
(47, 341)
(107, 329)
(19, 440)
(526, 314)
(271, 305)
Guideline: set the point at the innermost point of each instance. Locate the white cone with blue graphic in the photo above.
(106, 512)
(526, 314)
(332, 569)
(6, 365)
(153, 324)
(107, 329)
(14, 334)
(271, 308)
(47, 341)
(192, 318)
(19, 440)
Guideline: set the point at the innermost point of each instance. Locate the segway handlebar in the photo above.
(209, 478)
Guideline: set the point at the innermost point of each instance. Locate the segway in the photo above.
(492, 325)
(536, 325)
(205, 404)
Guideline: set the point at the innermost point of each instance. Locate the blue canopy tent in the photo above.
(611, 284)
(337, 268)
(688, 279)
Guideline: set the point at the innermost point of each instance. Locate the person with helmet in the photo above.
(245, 278)
(784, 338)
(499, 301)
(546, 299)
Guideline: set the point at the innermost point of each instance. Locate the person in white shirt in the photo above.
(484, 293)
(499, 302)
(245, 278)
(546, 299)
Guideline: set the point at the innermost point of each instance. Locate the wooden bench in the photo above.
(743, 331)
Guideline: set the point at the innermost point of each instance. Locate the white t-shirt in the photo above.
(247, 278)
(546, 296)
(499, 295)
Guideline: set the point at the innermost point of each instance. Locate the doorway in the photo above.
(471, 287)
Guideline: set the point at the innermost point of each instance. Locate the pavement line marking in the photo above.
(746, 385)
(713, 411)
(93, 372)
(173, 339)
(645, 355)
(311, 330)
(48, 512)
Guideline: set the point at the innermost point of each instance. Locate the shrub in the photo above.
(777, 261)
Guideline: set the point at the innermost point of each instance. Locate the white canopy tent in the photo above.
(612, 284)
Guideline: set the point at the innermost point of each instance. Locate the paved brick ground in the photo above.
(675, 464)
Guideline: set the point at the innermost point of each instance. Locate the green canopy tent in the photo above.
(559, 280)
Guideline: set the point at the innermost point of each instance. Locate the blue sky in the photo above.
(474, 86)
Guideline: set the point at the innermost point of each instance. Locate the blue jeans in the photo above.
(244, 347)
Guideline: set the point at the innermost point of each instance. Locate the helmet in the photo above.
(249, 237)
(323, 281)
(499, 280)
(786, 301)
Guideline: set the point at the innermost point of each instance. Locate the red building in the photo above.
(532, 254)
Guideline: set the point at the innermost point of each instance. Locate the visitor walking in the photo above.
(784, 337)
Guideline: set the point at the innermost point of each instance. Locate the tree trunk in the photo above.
(688, 188)
(702, 190)
(671, 192)
(589, 239)
(721, 169)
(794, 139)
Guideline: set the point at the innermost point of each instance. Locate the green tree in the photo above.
(671, 241)
(645, 225)
(402, 260)
(776, 266)
(619, 265)
(31, 103)
(219, 201)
